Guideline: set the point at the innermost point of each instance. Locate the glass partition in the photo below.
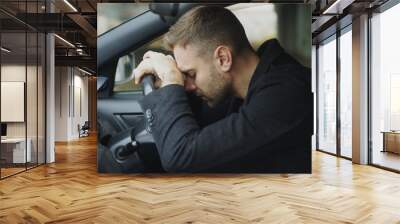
(22, 77)
(13, 92)
(314, 90)
(327, 96)
(346, 93)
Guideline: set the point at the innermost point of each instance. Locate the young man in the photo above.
(260, 106)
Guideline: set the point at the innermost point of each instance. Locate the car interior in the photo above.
(123, 143)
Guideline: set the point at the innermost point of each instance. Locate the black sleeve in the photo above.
(186, 147)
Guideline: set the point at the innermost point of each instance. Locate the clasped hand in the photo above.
(163, 67)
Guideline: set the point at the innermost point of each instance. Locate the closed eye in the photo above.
(189, 74)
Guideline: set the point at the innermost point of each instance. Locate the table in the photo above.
(13, 150)
(391, 141)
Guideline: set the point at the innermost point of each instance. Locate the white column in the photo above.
(50, 93)
(360, 90)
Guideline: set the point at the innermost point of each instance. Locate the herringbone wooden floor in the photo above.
(71, 191)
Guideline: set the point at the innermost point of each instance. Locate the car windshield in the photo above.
(111, 15)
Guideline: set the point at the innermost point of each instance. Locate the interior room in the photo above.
(52, 93)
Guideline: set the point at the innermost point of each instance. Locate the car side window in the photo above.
(123, 80)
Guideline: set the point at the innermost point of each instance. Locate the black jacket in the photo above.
(269, 132)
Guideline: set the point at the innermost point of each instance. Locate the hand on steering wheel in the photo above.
(162, 66)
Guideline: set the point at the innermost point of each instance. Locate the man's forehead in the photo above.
(185, 57)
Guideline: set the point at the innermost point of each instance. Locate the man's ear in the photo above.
(223, 58)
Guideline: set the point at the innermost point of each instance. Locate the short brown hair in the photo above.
(208, 27)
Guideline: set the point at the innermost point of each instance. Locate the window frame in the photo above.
(333, 37)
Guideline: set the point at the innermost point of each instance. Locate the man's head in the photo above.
(206, 41)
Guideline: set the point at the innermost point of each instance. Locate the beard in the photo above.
(218, 88)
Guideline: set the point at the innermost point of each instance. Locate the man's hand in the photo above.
(162, 66)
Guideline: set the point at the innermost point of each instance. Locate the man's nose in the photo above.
(190, 85)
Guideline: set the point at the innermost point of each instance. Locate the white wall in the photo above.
(14, 72)
(12, 101)
(33, 126)
(71, 94)
(81, 100)
(17, 73)
(61, 103)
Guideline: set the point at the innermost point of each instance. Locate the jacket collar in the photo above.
(268, 52)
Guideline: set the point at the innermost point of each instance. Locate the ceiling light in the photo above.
(84, 71)
(337, 7)
(65, 41)
(5, 50)
(70, 5)
(80, 51)
(328, 10)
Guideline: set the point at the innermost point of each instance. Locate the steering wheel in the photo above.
(134, 150)
(148, 84)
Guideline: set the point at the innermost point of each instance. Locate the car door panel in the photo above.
(118, 113)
